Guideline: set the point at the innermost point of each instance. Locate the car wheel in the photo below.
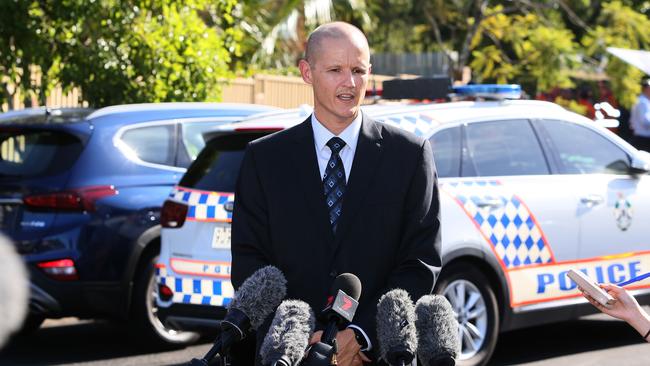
(144, 312)
(476, 309)
(31, 324)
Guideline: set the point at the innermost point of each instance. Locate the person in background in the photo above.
(625, 308)
(640, 118)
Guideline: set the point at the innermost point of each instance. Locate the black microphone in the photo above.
(14, 290)
(289, 333)
(341, 306)
(256, 298)
(439, 340)
(339, 311)
(396, 333)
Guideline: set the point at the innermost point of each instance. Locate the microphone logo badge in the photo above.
(345, 305)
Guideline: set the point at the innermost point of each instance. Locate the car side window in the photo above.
(503, 148)
(446, 152)
(152, 144)
(191, 142)
(580, 150)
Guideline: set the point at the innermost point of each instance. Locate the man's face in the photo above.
(339, 77)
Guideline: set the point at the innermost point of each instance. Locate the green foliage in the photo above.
(22, 45)
(619, 26)
(522, 48)
(127, 51)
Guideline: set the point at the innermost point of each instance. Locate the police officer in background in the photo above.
(640, 118)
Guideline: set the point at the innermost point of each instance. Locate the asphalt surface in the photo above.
(594, 340)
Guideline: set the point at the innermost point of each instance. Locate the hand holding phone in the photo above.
(591, 287)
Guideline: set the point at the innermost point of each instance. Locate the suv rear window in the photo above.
(217, 166)
(37, 153)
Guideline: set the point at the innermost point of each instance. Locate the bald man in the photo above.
(339, 193)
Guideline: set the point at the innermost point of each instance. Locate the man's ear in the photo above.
(305, 70)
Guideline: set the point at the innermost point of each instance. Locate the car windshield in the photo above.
(37, 153)
(217, 166)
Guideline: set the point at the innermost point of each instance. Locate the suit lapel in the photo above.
(364, 165)
(310, 181)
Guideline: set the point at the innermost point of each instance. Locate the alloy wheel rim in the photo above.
(152, 312)
(471, 313)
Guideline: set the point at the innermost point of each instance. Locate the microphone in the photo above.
(288, 336)
(341, 305)
(338, 312)
(439, 340)
(256, 298)
(14, 290)
(396, 333)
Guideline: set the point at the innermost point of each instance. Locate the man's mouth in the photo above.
(346, 97)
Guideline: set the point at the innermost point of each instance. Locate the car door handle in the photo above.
(489, 203)
(592, 200)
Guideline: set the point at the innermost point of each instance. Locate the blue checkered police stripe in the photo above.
(197, 291)
(417, 123)
(204, 205)
(511, 229)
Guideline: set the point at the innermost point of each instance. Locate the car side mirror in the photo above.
(640, 162)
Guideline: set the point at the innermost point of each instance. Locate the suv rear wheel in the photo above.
(144, 311)
(476, 309)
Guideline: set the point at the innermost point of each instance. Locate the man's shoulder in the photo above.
(280, 138)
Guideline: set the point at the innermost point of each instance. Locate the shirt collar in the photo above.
(350, 135)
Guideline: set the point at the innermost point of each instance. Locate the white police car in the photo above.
(528, 190)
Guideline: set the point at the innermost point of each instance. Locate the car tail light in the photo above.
(173, 214)
(60, 269)
(164, 292)
(79, 199)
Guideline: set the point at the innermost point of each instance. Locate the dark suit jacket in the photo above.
(388, 234)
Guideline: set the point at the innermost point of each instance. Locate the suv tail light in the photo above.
(61, 269)
(79, 199)
(173, 214)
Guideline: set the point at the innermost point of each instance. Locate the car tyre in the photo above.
(31, 324)
(477, 312)
(148, 327)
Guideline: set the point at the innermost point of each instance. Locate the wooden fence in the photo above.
(273, 90)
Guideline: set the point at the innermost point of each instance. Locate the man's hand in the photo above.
(349, 353)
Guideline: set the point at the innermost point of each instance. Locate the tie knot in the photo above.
(335, 144)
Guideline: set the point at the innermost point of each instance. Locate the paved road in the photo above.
(594, 340)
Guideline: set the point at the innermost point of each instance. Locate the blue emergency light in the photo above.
(488, 91)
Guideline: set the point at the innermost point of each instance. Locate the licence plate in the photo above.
(221, 237)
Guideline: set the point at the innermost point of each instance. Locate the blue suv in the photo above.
(81, 195)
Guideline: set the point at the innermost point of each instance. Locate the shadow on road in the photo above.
(74, 343)
(561, 339)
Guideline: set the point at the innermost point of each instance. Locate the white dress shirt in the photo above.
(351, 136)
(322, 135)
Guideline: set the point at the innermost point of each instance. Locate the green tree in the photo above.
(22, 47)
(619, 25)
(539, 53)
(125, 51)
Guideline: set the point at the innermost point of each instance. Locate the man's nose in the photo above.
(348, 79)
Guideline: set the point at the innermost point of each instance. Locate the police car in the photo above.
(528, 190)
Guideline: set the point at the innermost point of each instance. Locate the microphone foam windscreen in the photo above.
(14, 290)
(260, 294)
(437, 329)
(396, 324)
(289, 332)
(348, 283)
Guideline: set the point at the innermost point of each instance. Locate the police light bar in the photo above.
(488, 91)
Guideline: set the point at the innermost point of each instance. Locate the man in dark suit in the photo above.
(339, 193)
